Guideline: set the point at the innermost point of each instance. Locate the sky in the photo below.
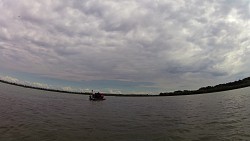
(124, 46)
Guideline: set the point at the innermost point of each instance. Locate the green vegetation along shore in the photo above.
(209, 89)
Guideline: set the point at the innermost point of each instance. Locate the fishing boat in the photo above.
(91, 98)
(96, 97)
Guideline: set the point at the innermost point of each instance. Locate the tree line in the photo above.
(210, 89)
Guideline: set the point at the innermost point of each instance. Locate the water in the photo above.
(28, 115)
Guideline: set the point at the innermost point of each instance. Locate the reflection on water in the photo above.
(37, 115)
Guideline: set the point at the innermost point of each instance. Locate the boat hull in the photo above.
(96, 99)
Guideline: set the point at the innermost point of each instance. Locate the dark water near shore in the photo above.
(27, 115)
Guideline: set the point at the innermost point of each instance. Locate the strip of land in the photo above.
(209, 89)
(70, 92)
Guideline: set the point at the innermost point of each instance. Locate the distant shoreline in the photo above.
(203, 90)
(72, 92)
(212, 89)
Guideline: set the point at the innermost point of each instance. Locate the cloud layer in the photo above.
(172, 44)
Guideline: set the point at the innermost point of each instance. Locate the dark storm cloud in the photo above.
(163, 42)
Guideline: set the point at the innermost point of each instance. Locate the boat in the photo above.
(96, 97)
(91, 98)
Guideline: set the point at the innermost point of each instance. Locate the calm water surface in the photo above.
(28, 115)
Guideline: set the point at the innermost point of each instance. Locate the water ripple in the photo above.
(36, 115)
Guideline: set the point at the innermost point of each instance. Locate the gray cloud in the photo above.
(173, 44)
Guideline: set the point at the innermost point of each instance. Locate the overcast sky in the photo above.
(125, 46)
